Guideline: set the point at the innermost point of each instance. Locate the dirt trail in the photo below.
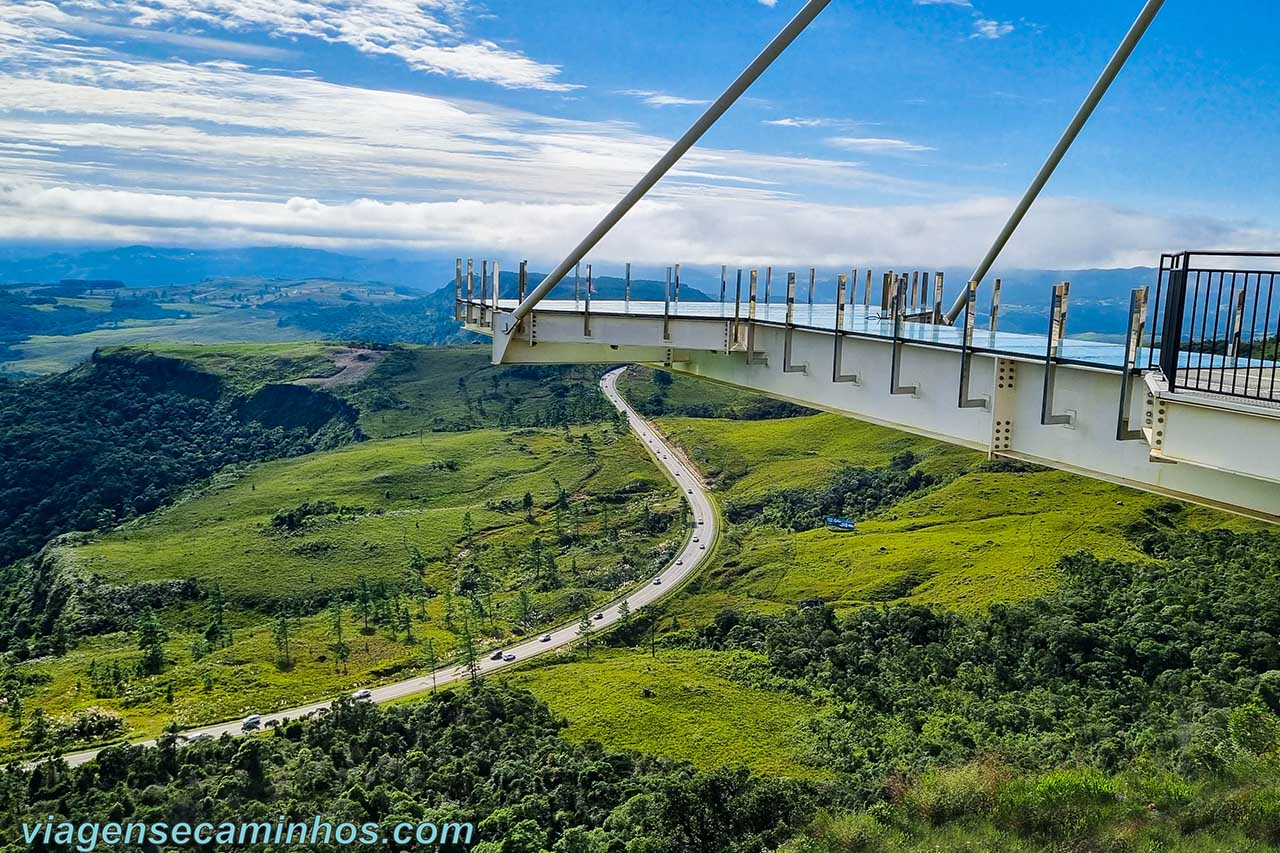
(354, 364)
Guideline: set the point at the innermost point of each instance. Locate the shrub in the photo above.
(1261, 814)
(844, 832)
(1062, 804)
(1254, 727)
(948, 794)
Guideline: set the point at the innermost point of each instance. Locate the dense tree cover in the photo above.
(453, 390)
(855, 492)
(425, 320)
(1126, 661)
(117, 438)
(23, 315)
(494, 757)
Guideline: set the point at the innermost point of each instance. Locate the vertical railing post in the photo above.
(1171, 333)
(1132, 342)
(484, 288)
(1053, 349)
(523, 283)
(471, 286)
(853, 286)
(577, 284)
(937, 299)
(895, 364)
(666, 308)
(768, 283)
(1237, 327)
(837, 349)
(840, 285)
(497, 287)
(813, 281)
(966, 351)
(866, 296)
(915, 285)
(457, 291)
(791, 296)
(724, 280)
(626, 290)
(737, 310)
(751, 322)
(586, 313)
(995, 306)
(787, 366)
(677, 300)
(885, 292)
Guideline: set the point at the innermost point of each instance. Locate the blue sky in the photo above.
(894, 131)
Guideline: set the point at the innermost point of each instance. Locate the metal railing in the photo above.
(1216, 326)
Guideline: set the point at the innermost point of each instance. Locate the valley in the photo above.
(463, 508)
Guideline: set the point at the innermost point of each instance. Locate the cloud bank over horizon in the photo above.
(127, 138)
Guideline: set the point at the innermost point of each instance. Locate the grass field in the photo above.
(686, 396)
(748, 459)
(980, 537)
(401, 494)
(230, 682)
(390, 498)
(244, 367)
(43, 354)
(399, 500)
(424, 389)
(699, 707)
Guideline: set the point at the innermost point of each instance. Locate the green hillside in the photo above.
(977, 534)
(425, 537)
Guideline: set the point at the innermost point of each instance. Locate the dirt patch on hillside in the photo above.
(353, 365)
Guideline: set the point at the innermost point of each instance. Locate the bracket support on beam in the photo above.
(1053, 349)
(787, 366)
(1132, 341)
(966, 352)
(837, 358)
(895, 369)
(752, 358)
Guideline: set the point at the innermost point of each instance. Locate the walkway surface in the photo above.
(685, 563)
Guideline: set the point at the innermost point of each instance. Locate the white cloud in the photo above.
(427, 35)
(662, 99)
(1059, 233)
(207, 127)
(103, 147)
(985, 28)
(769, 3)
(877, 145)
(801, 122)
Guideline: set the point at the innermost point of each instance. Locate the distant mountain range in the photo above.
(145, 266)
(1098, 297)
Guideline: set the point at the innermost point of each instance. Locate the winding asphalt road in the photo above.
(686, 562)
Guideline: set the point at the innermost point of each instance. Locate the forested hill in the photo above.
(119, 436)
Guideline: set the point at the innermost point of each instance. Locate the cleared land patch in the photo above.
(698, 707)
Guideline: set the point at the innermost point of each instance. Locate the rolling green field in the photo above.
(695, 706)
(396, 496)
(245, 367)
(749, 459)
(412, 519)
(980, 537)
(227, 683)
(400, 493)
(425, 389)
(43, 354)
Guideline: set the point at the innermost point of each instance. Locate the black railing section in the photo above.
(1217, 323)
